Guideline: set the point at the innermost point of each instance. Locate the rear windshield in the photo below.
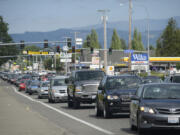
(45, 84)
(35, 83)
(123, 82)
(82, 76)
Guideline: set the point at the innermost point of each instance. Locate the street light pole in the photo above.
(105, 38)
(129, 41)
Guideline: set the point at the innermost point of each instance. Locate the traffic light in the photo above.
(92, 50)
(69, 42)
(110, 51)
(22, 44)
(58, 49)
(45, 43)
(73, 49)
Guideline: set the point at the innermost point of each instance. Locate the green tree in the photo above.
(123, 42)
(94, 39)
(137, 41)
(6, 38)
(86, 44)
(168, 43)
(116, 42)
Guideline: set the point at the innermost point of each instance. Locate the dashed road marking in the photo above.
(66, 114)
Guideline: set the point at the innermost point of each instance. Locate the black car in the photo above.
(83, 86)
(155, 106)
(114, 94)
(172, 79)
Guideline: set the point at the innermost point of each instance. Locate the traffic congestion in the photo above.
(148, 102)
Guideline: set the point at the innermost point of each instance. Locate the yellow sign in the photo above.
(37, 53)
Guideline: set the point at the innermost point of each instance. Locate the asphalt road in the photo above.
(23, 114)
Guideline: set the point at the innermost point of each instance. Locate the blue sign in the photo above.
(128, 51)
(139, 57)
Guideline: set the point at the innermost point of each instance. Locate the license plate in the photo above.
(173, 120)
(93, 96)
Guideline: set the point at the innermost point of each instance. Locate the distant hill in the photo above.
(156, 28)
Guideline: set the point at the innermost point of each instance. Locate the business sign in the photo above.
(65, 60)
(128, 51)
(79, 41)
(139, 58)
(65, 55)
(95, 60)
(110, 70)
(37, 53)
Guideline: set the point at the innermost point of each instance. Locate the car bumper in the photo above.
(118, 106)
(60, 96)
(159, 121)
(43, 93)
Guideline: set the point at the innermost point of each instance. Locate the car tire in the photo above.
(70, 103)
(76, 104)
(140, 130)
(49, 100)
(97, 110)
(39, 97)
(30, 93)
(106, 112)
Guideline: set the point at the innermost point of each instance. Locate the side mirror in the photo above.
(135, 97)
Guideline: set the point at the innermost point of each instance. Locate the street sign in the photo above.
(65, 48)
(51, 53)
(65, 60)
(65, 55)
(79, 41)
(128, 51)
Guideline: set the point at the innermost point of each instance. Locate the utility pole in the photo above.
(129, 41)
(105, 37)
(75, 36)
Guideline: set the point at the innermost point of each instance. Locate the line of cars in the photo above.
(150, 102)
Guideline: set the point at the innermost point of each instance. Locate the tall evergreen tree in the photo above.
(87, 43)
(137, 41)
(94, 39)
(168, 43)
(116, 42)
(123, 42)
(6, 38)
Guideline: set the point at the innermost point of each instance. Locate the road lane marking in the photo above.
(66, 114)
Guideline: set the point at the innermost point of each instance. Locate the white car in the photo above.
(43, 89)
(58, 89)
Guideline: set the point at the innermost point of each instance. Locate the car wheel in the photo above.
(76, 104)
(39, 97)
(70, 104)
(140, 130)
(106, 112)
(49, 100)
(30, 93)
(97, 110)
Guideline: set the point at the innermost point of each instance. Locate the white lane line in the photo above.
(66, 114)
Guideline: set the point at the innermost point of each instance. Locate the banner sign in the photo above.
(139, 58)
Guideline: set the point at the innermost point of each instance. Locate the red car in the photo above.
(22, 85)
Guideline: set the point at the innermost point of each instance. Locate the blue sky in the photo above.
(48, 15)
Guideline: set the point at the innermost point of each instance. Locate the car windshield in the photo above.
(45, 84)
(90, 75)
(127, 82)
(176, 79)
(59, 82)
(161, 92)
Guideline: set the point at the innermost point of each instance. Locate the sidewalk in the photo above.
(18, 119)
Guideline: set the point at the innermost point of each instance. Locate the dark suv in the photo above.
(114, 94)
(83, 86)
(172, 79)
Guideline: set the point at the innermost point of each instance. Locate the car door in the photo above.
(134, 106)
(101, 92)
